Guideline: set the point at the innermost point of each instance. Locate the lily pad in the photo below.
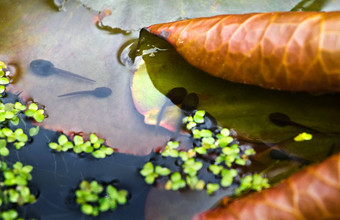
(135, 14)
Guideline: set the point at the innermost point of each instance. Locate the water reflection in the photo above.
(99, 92)
(46, 68)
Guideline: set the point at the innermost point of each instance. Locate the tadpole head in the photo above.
(190, 102)
(280, 119)
(278, 155)
(177, 95)
(42, 67)
(102, 92)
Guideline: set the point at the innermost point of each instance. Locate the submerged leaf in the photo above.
(296, 51)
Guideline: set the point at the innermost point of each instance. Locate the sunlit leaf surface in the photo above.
(313, 193)
(295, 51)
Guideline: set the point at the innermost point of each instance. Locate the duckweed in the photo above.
(93, 199)
(94, 146)
(225, 155)
(303, 137)
(151, 173)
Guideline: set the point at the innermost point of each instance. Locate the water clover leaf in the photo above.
(196, 133)
(162, 171)
(33, 131)
(225, 132)
(20, 135)
(9, 214)
(78, 140)
(199, 116)
(176, 182)
(92, 201)
(206, 133)
(4, 81)
(249, 152)
(19, 107)
(212, 187)
(228, 177)
(303, 137)
(62, 139)
(99, 154)
(191, 167)
(39, 115)
(2, 88)
(3, 149)
(93, 138)
(194, 183)
(147, 169)
(200, 150)
(215, 169)
(173, 144)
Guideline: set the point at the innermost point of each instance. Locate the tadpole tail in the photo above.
(67, 73)
(75, 93)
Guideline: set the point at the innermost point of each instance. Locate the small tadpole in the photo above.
(278, 154)
(99, 92)
(46, 68)
(280, 119)
(283, 120)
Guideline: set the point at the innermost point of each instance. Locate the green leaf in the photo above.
(30, 112)
(34, 131)
(212, 187)
(4, 151)
(33, 106)
(4, 81)
(93, 138)
(78, 140)
(39, 115)
(99, 154)
(303, 137)
(87, 209)
(148, 168)
(162, 171)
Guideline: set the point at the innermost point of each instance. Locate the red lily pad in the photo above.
(313, 193)
(295, 51)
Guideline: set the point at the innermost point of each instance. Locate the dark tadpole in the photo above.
(278, 154)
(46, 68)
(174, 97)
(100, 92)
(190, 103)
(283, 120)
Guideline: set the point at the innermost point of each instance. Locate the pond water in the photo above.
(91, 84)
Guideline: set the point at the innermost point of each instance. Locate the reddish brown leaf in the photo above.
(296, 51)
(313, 193)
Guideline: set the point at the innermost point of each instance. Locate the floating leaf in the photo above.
(285, 50)
(310, 194)
(124, 14)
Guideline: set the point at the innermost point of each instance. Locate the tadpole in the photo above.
(190, 103)
(99, 92)
(283, 120)
(46, 68)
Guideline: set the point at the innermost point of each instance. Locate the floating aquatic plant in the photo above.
(93, 199)
(303, 137)
(213, 146)
(151, 173)
(94, 146)
(14, 188)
